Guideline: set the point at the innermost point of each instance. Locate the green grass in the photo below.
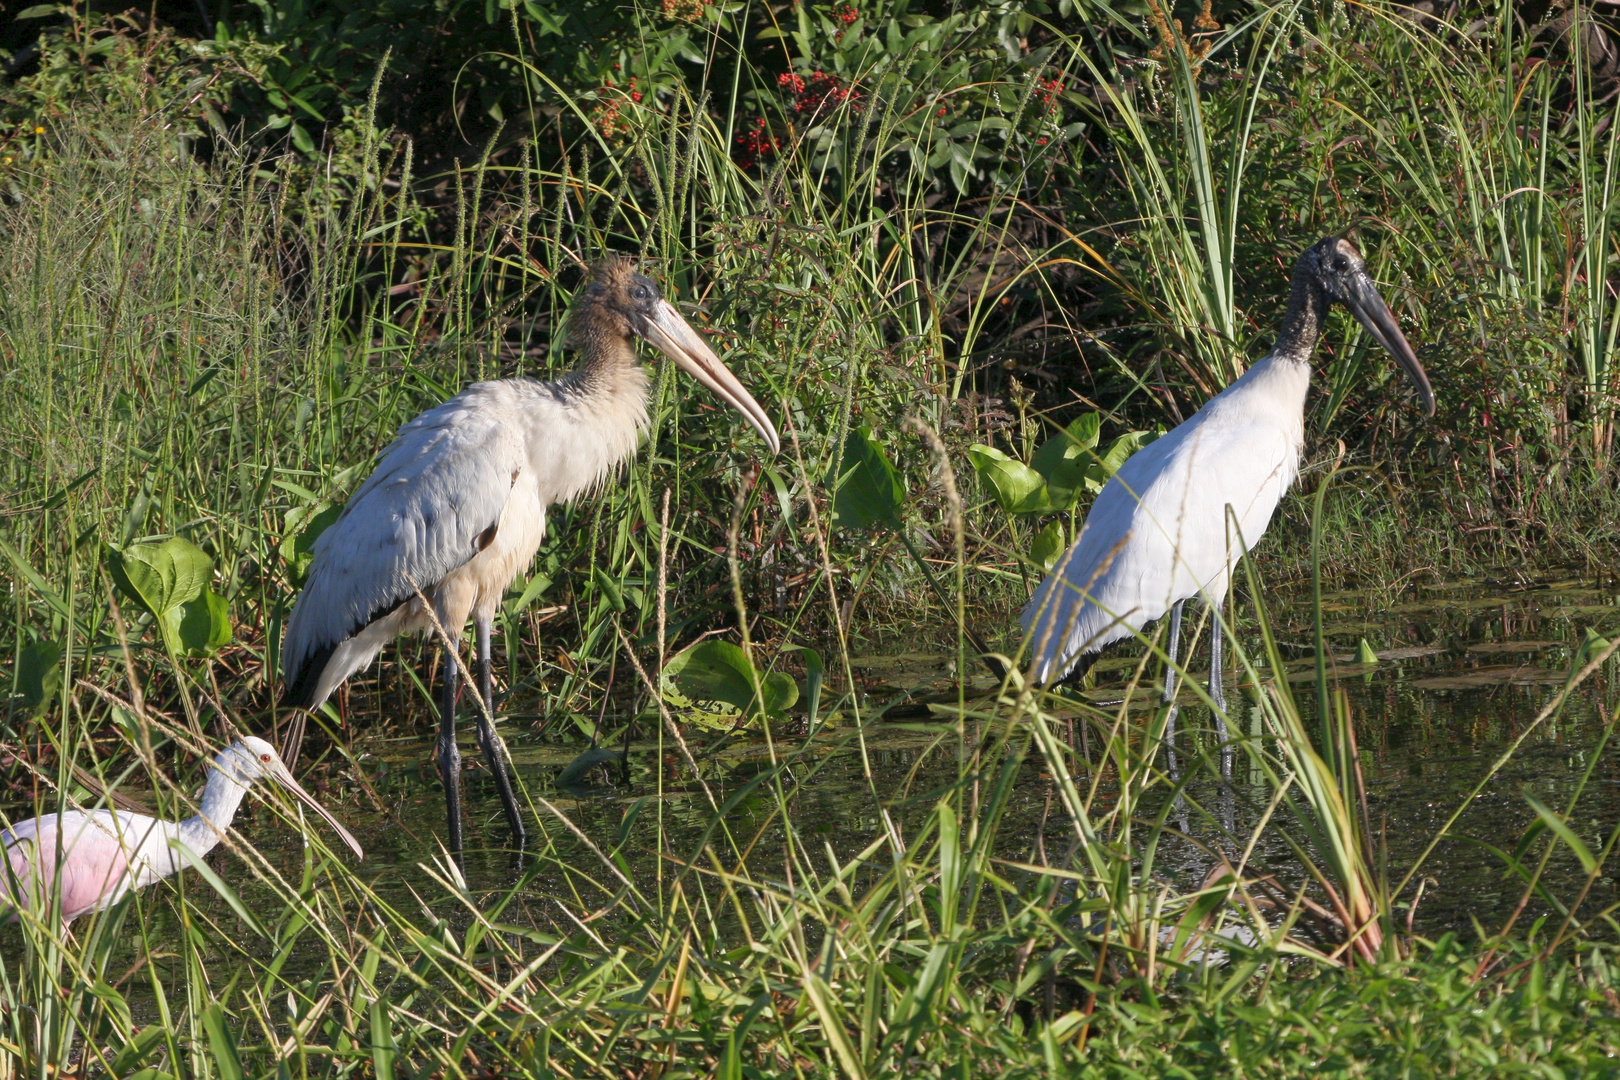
(217, 351)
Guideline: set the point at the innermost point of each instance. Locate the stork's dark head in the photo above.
(1334, 270)
(619, 303)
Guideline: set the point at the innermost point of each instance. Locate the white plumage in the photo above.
(456, 508)
(1159, 533)
(88, 860)
(1169, 499)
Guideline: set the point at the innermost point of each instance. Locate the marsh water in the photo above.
(1464, 668)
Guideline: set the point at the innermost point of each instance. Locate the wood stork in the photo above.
(457, 506)
(92, 859)
(1159, 532)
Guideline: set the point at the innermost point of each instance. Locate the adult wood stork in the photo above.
(1159, 532)
(92, 859)
(457, 506)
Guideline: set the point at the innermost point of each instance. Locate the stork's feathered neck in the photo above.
(604, 343)
(1304, 318)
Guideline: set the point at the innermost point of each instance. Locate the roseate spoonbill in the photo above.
(96, 857)
(457, 507)
(1158, 534)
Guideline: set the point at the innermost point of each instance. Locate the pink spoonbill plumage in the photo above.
(92, 858)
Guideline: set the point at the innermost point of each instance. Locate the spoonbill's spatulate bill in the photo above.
(1159, 532)
(457, 506)
(96, 857)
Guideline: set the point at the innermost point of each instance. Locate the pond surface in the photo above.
(1463, 670)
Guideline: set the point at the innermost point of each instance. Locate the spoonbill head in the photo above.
(87, 860)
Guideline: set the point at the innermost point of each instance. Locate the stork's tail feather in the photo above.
(302, 682)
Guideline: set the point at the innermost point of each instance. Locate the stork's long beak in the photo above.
(677, 340)
(1370, 310)
(285, 779)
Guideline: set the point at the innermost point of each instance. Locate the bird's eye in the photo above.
(640, 292)
(265, 758)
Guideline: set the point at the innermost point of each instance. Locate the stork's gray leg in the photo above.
(1216, 693)
(450, 754)
(1168, 698)
(489, 741)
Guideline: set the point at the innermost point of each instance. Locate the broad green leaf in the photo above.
(1064, 459)
(868, 491)
(1018, 488)
(587, 761)
(719, 671)
(162, 577)
(1047, 546)
(203, 626)
(39, 672)
(1119, 451)
(1365, 654)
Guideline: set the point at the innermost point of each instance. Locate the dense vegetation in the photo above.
(241, 244)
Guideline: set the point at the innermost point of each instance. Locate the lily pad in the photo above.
(720, 672)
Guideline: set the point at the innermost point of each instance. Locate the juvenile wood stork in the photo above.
(1158, 534)
(92, 859)
(457, 507)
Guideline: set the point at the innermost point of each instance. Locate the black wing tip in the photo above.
(298, 690)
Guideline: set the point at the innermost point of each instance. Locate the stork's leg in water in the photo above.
(489, 741)
(450, 754)
(1168, 698)
(1216, 693)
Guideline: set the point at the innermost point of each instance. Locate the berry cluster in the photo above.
(846, 14)
(607, 115)
(1047, 91)
(683, 10)
(754, 143)
(820, 92)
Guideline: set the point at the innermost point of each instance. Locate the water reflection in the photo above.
(1462, 670)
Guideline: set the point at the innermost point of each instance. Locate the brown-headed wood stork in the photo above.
(1159, 533)
(457, 506)
(86, 861)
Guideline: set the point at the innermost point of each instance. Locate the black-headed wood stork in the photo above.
(457, 506)
(1159, 533)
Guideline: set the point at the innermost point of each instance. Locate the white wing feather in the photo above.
(438, 488)
(1159, 532)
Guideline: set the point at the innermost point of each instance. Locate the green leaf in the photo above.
(587, 761)
(383, 1050)
(1119, 451)
(39, 11)
(203, 626)
(1365, 654)
(162, 577)
(39, 672)
(531, 592)
(868, 492)
(1018, 488)
(1564, 833)
(1047, 546)
(718, 671)
(815, 675)
(222, 1043)
(609, 588)
(1064, 459)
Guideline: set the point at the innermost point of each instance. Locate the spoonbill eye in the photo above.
(265, 758)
